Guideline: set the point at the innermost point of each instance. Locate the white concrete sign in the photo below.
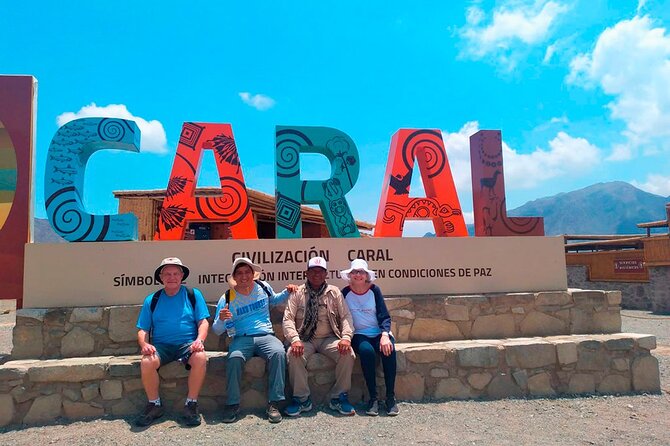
(118, 273)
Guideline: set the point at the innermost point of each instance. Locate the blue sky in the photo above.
(579, 88)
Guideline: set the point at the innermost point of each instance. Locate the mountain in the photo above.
(43, 233)
(604, 208)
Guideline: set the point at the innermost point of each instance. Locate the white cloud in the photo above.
(512, 28)
(257, 101)
(655, 184)
(566, 156)
(631, 62)
(153, 134)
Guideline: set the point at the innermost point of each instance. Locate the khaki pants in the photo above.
(297, 370)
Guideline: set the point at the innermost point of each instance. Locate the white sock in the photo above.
(189, 400)
(157, 401)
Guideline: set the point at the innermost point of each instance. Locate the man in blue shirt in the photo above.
(244, 313)
(172, 327)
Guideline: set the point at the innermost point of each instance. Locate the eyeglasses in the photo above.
(358, 271)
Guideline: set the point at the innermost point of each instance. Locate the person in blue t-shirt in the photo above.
(243, 312)
(172, 326)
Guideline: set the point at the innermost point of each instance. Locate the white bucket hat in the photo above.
(246, 261)
(358, 264)
(170, 261)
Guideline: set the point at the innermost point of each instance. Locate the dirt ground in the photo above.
(595, 420)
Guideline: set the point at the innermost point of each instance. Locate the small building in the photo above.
(146, 205)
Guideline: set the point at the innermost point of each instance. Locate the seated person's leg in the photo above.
(239, 351)
(271, 349)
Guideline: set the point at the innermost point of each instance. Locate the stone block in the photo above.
(582, 383)
(503, 386)
(36, 314)
(621, 364)
(614, 384)
(123, 408)
(394, 303)
(21, 394)
(438, 372)
(647, 342)
(327, 377)
(624, 344)
(511, 299)
(521, 378)
(255, 367)
(540, 385)
(402, 313)
(410, 387)
(493, 326)
(72, 394)
(479, 380)
(76, 411)
(122, 321)
(432, 330)
(566, 351)
(426, 354)
(124, 366)
(452, 388)
(553, 298)
(318, 362)
(478, 356)
(87, 314)
(457, 312)
(581, 322)
(90, 391)
(607, 321)
(646, 377)
(173, 370)
(253, 399)
(613, 298)
(400, 360)
(12, 371)
(7, 409)
(590, 299)
(28, 342)
(592, 360)
(403, 333)
(530, 354)
(518, 310)
(70, 370)
(541, 324)
(111, 389)
(44, 409)
(78, 342)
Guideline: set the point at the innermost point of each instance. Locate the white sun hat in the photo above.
(358, 264)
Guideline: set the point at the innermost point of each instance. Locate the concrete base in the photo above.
(36, 391)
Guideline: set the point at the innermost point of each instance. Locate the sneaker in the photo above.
(274, 416)
(191, 416)
(373, 408)
(297, 407)
(230, 413)
(151, 413)
(392, 407)
(341, 404)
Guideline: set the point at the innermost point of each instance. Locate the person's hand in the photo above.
(225, 313)
(297, 348)
(148, 350)
(385, 345)
(291, 288)
(344, 346)
(197, 346)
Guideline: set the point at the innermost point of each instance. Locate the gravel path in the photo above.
(597, 420)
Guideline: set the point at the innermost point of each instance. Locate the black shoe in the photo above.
(151, 412)
(392, 407)
(191, 416)
(230, 413)
(274, 416)
(373, 408)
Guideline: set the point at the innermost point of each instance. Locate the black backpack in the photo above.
(157, 294)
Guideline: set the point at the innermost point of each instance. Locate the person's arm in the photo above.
(346, 321)
(199, 344)
(143, 340)
(219, 326)
(288, 321)
(144, 328)
(282, 296)
(384, 320)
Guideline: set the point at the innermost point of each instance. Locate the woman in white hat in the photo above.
(244, 313)
(372, 335)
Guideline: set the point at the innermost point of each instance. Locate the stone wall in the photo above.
(634, 295)
(659, 278)
(36, 391)
(95, 331)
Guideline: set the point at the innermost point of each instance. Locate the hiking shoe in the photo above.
(274, 416)
(297, 407)
(191, 416)
(342, 405)
(373, 408)
(230, 413)
(392, 407)
(151, 412)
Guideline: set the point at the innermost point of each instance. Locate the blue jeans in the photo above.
(267, 347)
(367, 349)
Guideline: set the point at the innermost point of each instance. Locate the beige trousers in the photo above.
(297, 366)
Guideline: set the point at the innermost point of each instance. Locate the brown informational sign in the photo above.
(17, 102)
(98, 274)
(628, 266)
